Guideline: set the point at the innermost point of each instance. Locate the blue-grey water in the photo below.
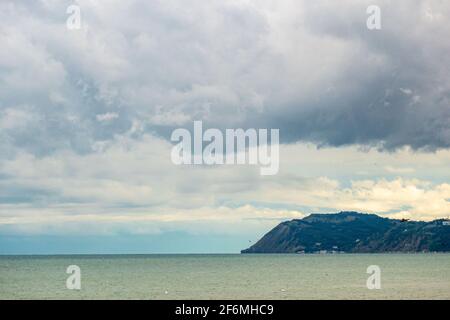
(340, 276)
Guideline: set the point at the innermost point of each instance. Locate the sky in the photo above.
(86, 117)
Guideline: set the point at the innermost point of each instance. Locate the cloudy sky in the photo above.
(86, 117)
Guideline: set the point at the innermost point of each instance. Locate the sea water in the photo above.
(339, 276)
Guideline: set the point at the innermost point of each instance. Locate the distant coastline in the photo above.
(353, 232)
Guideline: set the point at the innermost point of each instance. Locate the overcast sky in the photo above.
(86, 117)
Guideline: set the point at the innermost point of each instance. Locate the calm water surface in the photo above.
(404, 276)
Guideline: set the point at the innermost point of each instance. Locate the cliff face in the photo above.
(354, 232)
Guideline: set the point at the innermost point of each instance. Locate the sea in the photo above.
(228, 276)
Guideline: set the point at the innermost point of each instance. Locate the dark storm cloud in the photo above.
(396, 90)
(311, 69)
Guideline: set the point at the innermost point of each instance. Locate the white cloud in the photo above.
(128, 184)
(399, 170)
(107, 116)
(15, 118)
